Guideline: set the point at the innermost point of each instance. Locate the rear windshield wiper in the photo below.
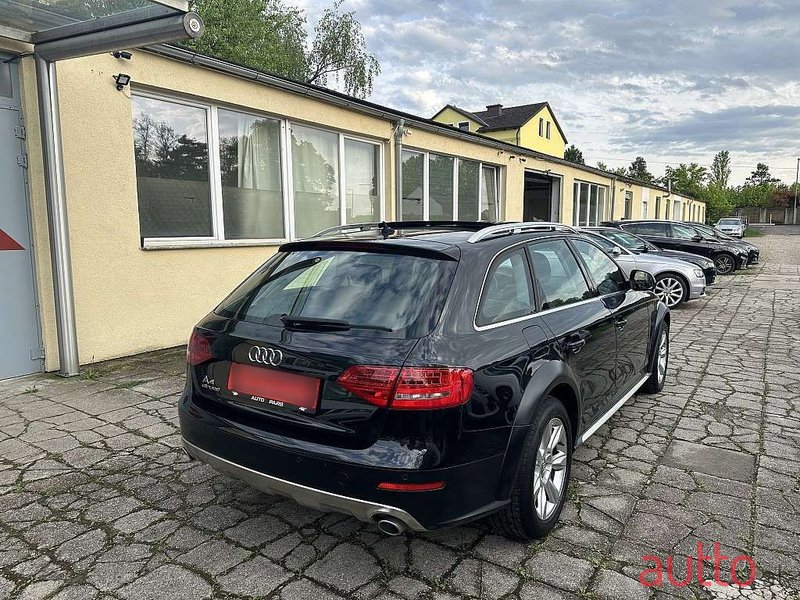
(315, 323)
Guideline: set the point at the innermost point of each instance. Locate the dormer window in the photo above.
(464, 125)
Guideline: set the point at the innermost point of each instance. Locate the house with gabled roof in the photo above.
(532, 126)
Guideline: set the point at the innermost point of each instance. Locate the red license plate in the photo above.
(273, 388)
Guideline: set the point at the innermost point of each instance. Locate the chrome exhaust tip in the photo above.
(391, 526)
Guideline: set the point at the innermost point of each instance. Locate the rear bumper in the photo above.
(313, 498)
(331, 482)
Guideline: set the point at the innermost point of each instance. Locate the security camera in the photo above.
(122, 54)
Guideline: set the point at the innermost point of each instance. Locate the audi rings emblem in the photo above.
(265, 356)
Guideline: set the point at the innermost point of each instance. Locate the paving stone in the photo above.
(303, 589)
(214, 557)
(560, 570)
(610, 585)
(345, 568)
(713, 461)
(256, 577)
(169, 581)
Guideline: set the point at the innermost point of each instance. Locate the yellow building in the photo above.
(183, 173)
(532, 126)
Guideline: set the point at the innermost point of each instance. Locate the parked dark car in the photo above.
(675, 235)
(752, 250)
(422, 375)
(639, 245)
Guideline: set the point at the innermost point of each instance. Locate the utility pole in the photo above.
(796, 178)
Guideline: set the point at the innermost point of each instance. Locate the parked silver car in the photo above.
(676, 280)
(733, 226)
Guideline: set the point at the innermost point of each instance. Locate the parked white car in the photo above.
(732, 226)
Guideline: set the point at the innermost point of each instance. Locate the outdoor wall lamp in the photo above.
(521, 159)
(122, 54)
(122, 80)
(512, 157)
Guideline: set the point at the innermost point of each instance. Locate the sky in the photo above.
(671, 80)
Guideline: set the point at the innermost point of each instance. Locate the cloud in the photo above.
(625, 77)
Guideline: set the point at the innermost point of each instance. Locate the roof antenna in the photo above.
(385, 230)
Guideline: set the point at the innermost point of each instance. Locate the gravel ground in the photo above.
(97, 501)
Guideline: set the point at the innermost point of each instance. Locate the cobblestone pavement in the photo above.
(96, 499)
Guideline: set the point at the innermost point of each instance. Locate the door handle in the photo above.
(575, 346)
(620, 323)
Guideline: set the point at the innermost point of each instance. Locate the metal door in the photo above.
(20, 341)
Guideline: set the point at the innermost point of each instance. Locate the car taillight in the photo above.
(199, 349)
(412, 388)
(410, 487)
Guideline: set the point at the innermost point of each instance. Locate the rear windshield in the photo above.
(371, 291)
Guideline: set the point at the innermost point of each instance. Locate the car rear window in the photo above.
(367, 289)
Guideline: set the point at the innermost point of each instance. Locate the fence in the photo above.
(777, 216)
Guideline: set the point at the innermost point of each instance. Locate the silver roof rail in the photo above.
(353, 227)
(503, 229)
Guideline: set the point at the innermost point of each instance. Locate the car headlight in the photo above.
(699, 274)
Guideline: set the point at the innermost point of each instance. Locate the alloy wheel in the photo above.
(670, 291)
(724, 264)
(663, 356)
(549, 477)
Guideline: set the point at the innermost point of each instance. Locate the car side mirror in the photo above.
(697, 238)
(642, 281)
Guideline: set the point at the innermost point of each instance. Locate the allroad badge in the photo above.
(265, 355)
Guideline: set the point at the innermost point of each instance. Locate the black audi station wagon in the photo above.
(419, 375)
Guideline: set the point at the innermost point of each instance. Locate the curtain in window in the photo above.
(440, 187)
(489, 210)
(362, 200)
(468, 192)
(250, 163)
(315, 176)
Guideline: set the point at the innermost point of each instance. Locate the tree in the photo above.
(720, 170)
(761, 176)
(719, 202)
(638, 170)
(574, 155)
(269, 36)
(686, 179)
(619, 171)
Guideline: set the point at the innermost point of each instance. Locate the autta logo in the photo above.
(265, 355)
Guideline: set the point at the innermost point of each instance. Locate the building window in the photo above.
(252, 185)
(440, 187)
(211, 175)
(589, 204)
(463, 125)
(172, 169)
(548, 130)
(443, 188)
(644, 208)
(628, 205)
(658, 207)
(541, 127)
(676, 211)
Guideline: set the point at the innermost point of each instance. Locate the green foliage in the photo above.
(686, 179)
(638, 170)
(269, 36)
(574, 155)
(761, 176)
(720, 173)
(719, 202)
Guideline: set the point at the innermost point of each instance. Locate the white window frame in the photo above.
(576, 187)
(426, 184)
(645, 204)
(460, 123)
(215, 176)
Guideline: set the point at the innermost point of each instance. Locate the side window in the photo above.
(654, 229)
(683, 232)
(558, 274)
(606, 274)
(507, 293)
(604, 243)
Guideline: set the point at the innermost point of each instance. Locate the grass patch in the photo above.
(90, 374)
(752, 232)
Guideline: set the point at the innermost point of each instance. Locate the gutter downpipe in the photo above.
(398, 154)
(613, 196)
(53, 160)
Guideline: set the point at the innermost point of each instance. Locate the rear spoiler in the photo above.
(406, 246)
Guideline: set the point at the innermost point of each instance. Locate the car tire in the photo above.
(671, 289)
(540, 488)
(655, 383)
(725, 263)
